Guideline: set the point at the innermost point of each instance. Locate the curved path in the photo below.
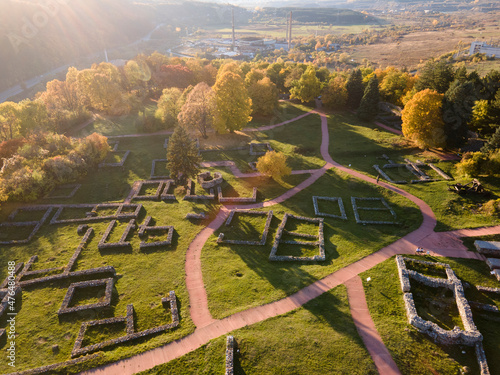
(208, 328)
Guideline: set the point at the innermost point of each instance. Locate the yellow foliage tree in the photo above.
(273, 164)
(234, 106)
(423, 120)
(264, 95)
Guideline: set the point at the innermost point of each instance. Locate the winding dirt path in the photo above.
(207, 328)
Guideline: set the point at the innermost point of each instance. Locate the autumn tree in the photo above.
(273, 164)
(175, 76)
(101, 88)
(423, 121)
(486, 116)
(253, 76)
(355, 89)
(394, 85)
(182, 155)
(334, 95)
(199, 109)
(264, 96)
(9, 124)
(137, 74)
(233, 103)
(32, 115)
(368, 108)
(168, 106)
(307, 87)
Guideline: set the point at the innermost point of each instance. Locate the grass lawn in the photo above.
(414, 352)
(239, 277)
(361, 145)
(286, 111)
(318, 338)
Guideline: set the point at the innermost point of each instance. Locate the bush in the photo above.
(9, 148)
(273, 164)
(46, 160)
(491, 208)
(472, 164)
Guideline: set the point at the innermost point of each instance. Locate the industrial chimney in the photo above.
(232, 14)
(290, 32)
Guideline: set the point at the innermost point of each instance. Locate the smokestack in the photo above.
(290, 33)
(286, 38)
(232, 14)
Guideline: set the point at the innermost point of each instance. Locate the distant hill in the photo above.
(35, 38)
(332, 16)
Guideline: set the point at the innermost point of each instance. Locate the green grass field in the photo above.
(239, 277)
(318, 338)
(414, 352)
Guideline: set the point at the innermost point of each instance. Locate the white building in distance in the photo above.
(483, 47)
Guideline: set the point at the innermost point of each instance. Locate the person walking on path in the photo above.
(378, 178)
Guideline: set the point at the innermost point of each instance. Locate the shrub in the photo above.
(491, 208)
(9, 148)
(273, 164)
(472, 164)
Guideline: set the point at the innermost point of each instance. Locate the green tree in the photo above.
(435, 75)
(394, 85)
(8, 120)
(458, 102)
(307, 87)
(334, 95)
(233, 103)
(368, 108)
(199, 109)
(182, 155)
(264, 96)
(423, 120)
(486, 116)
(355, 89)
(273, 164)
(32, 116)
(168, 106)
(493, 143)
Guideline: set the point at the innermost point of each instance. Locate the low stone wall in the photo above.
(155, 197)
(263, 238)
(317, 212)
(190, 194)
(488, 248)
(68, 196)
(118, 164)
(206, 181)
(108, 283)
(223, 199)
(470, 336)
(196, 216)
(145, 228)
(122, 243)
(230, 355)
(36, 224)
(55, 366)
(266, 146)
(152, 175)
(78, 350)
(356, 209)
(277, 240)
(92, 215)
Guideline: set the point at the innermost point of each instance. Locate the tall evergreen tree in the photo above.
(182, 155)
(458, 102)
(435, 76)
(355, 89)
(368, 108)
